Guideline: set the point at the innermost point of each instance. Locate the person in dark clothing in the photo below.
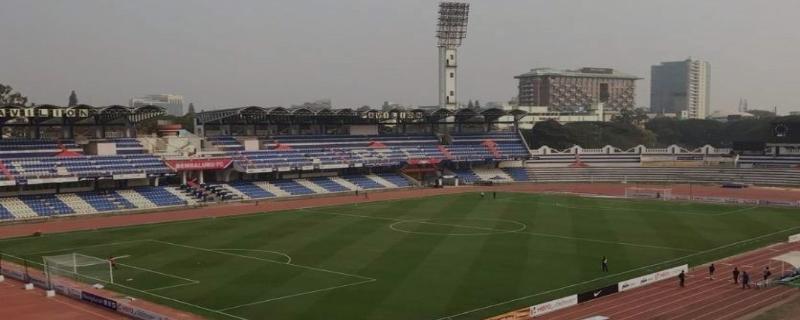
(767, 273)
(736, 275)
(711, 270)
(682, 279)
(494, 195)
(745, 280)
(604, 264)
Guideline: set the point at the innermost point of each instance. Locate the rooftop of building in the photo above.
(585, 72)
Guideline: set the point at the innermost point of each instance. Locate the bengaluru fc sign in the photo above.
(199, 164)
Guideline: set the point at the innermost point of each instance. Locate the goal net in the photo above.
(648, 193)
(79, 267)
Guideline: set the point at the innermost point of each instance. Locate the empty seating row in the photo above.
(106, 201)
(466, 175)
(363, 182)
(518, 174)
(395, 179)
(251, 190)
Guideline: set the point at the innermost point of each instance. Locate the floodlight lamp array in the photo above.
(452, 25)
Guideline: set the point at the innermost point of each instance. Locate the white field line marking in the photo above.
(173, 286)
(121, 257)
(734, 211)
(501, 231)
(160, 273)
(271, 261)
(692, 213)
(288, 258)
(616, 274)
(151, 294)
(84, 247)
(297, 294)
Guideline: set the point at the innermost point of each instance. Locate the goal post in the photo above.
(80, 267)
(648, 193)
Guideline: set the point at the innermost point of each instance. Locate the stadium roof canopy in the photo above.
(295, 115)
(51, 115)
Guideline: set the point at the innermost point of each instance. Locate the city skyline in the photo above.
(361, 52)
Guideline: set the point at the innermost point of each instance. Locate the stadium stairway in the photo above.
(380, 180)
(311, 186)
(491, 174)
(466, 175)
(363, 182)
(160, 196)
(329, 184)
(136, 199)
(271, 188)
(292, 187)
(235, 191)
(17, 208)
(345, 183)
(78, 204)
(180, 195)
(518, 174)
(396, 179)
(249, 190)
(46, 205)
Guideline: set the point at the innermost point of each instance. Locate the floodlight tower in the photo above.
(451, 30)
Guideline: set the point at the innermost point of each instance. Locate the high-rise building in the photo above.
(172, 103)
(682, 88)
(573, 90)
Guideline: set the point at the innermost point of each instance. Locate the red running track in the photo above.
(702, 298)
(19, 304)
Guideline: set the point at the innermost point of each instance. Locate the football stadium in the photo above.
(369, 214)
(445, 212)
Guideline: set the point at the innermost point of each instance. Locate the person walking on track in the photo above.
(736, 275)
(682, 279)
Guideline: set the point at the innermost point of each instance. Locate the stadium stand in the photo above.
(671, 175)
(363, 182)
(328, 184)
(517, 174)
(395, 179)
(292, 187)
(250, 190)
(5, 214)
(492, 174)
(770, 161)
(46, 205)
(160, 196)
(106, 201)
(465, 175)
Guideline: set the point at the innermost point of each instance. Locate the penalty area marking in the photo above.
(288, 257)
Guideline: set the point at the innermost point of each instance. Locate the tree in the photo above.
(191, 111)
(73, 99)
(631, 116)
(10, 98)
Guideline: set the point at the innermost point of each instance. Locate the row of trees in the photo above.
(658, 132)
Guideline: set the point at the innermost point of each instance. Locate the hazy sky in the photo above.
(355, 52)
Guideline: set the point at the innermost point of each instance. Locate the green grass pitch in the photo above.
(442, 257)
